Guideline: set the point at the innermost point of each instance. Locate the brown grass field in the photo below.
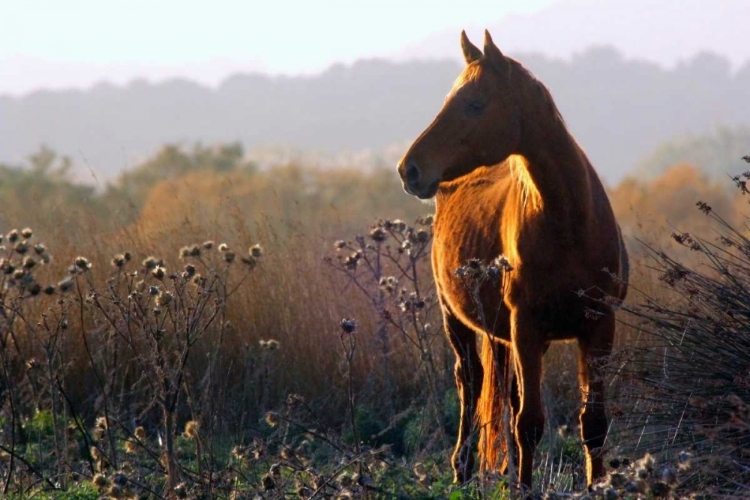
(232, 375)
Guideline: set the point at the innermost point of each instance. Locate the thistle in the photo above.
(82, 263)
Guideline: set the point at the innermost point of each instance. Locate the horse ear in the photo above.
(471, 52)
(491, 52)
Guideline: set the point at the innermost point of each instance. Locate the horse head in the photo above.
(478, 124)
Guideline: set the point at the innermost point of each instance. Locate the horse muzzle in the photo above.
(414, 183)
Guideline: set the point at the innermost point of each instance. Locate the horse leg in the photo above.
(528, 351)
(594, 347)
(468, 372)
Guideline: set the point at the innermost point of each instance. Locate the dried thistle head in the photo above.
(180, 490)
(12, 235)
(82, 263)
(120, 479)
(208, 244)
(348, 325)
(118, 261)
(249, 261)
(223, 247)
(140, 433)
(228, 256)
(27, 233)
(378, 234)
(65, 284)
(191, 429)
(158, 272)
(272, 418)
(149, 262)
(164, 299)
(256, 251)
(100, 481)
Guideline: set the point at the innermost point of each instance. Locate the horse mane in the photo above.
(543, 94)
(530, 197)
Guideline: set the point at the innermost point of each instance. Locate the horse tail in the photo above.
(490, 415)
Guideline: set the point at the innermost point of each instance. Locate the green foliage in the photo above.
(83, 491)
(41, 425)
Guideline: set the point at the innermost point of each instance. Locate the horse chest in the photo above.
(484, 303)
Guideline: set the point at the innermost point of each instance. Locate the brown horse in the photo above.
(509, 179)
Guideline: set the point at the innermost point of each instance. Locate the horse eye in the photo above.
(475, 106)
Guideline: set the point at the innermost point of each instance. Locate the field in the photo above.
(205, 329)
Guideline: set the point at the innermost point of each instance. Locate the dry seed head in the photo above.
(19, 274)
(158, 272)
(229, 256)
(239, 452)
(120, 479)
(256, 251)
(339, 244)
(647, 462)
(116, 491)
(378, 234)
(617, 479)
(82, 263)
(35, 289)
(130, 447)
(180, 490)
(223, 247)
(191, 429)
(40, 249)
(348, 325)
(13, 235)
(189, 270)
(249, 261)
(208, 244)
(140, 433)
(669, 475)
(118, 261)
(268, 482)
(272, 418)
(100, 481)
(94, 451)
(102, 423)
(27, 232)
(164, 299)
(184, 252)
(21, 247)
(611, 494)
(29, 262)
(684, 460)
(149, 262)
(153, 290)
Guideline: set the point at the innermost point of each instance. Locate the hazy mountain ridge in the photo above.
(618, 109)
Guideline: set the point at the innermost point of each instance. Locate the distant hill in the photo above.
(619, 109)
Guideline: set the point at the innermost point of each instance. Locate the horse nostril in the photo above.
(412, 172)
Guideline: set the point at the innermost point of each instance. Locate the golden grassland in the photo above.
(394, 385)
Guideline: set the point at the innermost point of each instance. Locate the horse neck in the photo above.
(555, 163)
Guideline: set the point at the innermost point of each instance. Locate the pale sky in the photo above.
(59, 43)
